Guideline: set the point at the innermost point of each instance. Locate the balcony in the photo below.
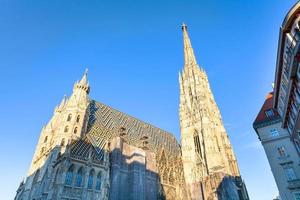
(294, 184)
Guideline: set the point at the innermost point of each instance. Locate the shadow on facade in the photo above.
(227, 187)
(125, 172)
(133, 174)
(92, 109)
(219, 186)
(161, 191)
(235, 182)
(79, 173)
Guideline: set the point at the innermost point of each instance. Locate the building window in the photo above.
(79, 178)
(46, 138)
(66, 129)
(197, 145)
(62, 143)
(75, 130)
(274, 132)
(69, 117)
(290, 174)
(69, 175)
(91, 179)
(98, 181)
(281, 151)
(78, 118)
(297, 195)
(269, 113)
(297, 144)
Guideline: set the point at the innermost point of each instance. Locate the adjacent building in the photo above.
(280, 150)
(278, 122)
(89, 150)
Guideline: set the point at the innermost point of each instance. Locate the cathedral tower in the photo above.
(208, 157)
(66, 125)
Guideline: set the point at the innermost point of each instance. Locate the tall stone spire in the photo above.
(189, 57)
(206, 149)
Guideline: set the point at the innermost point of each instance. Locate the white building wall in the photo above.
(271, 143)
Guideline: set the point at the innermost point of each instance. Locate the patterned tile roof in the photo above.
(83, 149)
(106, 123)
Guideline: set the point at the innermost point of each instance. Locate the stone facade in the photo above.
(134, 173)
(64, 150)
(89, 150)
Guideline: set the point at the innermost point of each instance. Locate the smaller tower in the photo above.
(67, 123)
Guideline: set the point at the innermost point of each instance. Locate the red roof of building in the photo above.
(268, 105)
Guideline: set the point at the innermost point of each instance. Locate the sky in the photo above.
(134, 52)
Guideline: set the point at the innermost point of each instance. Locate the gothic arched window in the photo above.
(78, 118)
(98, 181)
(69, 175)
(66, 129)
(79, 177)
(62, 143)
(91, 179)
(75, 130)
(197, 143)
(69, 117)
(46, 138)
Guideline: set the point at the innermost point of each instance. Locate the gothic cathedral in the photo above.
(89, 150)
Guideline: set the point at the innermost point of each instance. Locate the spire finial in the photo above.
(184, 27)
(83, 80)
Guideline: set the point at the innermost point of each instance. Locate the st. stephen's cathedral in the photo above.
(91, 151)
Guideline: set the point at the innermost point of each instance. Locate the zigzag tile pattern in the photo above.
(105, 123)
(83, 149)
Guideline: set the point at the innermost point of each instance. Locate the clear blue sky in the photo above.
(133, 50)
